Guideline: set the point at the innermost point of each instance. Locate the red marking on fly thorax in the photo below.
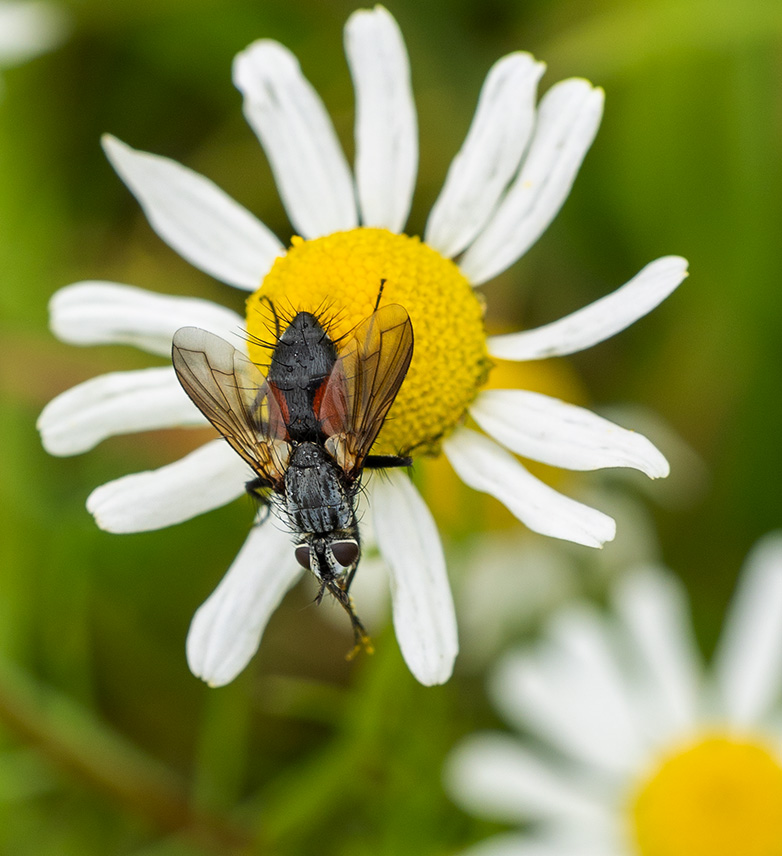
(282, 402)
(318, 398)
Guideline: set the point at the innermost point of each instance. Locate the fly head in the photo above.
(331, 557)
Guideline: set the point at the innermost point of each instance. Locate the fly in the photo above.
(306, 428)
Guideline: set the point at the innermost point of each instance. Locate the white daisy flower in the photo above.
(506, 184)
(639, 751)
(27, 30)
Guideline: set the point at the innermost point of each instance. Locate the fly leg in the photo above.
(360, 636)
(258, 490)
(382, 462)
(349, 578)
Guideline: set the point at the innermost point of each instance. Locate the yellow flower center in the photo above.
(719, 797)
(338, 279)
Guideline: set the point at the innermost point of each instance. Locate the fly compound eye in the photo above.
(302, 553)
(345, 552)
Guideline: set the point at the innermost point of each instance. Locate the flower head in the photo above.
(643, 753)
(506, 184)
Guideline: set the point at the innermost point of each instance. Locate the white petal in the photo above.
(490, 155)
(507, 583)
(103, 313)
(485, 466)
(570, 692)
(386, 124)
(748, 662)
(652, 606)
(542, 844)
(494, 776)
(511, 844)
(568, 118)
(212, 476)
(598, 321)
(424, 617)
(196, 218)
(289, 118)
(226, 630)
(117, 403)
(28, 29)
(545, 429)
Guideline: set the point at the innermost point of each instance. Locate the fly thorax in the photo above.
(303, 358)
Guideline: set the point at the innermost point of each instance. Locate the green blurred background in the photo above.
(107, 744)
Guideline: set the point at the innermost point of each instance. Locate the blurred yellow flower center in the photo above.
(718, 797)
(338, 279)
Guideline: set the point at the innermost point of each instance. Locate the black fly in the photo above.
(307, 427)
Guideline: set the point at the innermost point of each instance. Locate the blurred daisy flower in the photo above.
(504, 187)
(27, 30)
(638, 751)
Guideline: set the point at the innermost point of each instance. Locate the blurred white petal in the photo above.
(386, 124)
(226, 630)
(652, 606)
(207, 478)
(568, 118)
(288, 117)
(507, 583)
(532, 844)
(196, 218)
(598, 321)
(493, 776)
(28, 29)
(485, 466)
(489, 156)
(424, 618)
(118, 403)
(511, 844)
(545, 429)
(569, 691)
(748, 662)
(107, 313)
(689, 476)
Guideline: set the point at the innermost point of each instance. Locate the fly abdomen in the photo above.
(317, 498)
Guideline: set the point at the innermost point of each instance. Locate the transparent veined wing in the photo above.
(233, 394)
(364, 384)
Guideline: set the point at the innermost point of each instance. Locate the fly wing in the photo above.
(235, 397)
(364, 383)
